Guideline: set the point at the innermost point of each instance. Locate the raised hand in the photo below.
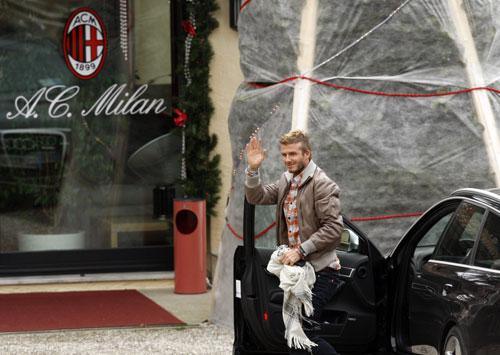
(255, 153)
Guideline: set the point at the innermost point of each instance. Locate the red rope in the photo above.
(367, 92)
(271, 226)
(233, 231)
(263, 232)
(245, 4)
(379, 93)
(377, 218)
(356, 219)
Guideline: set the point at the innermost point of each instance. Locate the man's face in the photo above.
(294, 158)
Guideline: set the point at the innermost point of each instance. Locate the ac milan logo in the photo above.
(84, 43)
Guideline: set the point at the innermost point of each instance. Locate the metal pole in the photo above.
(480, 98)
(305, 61)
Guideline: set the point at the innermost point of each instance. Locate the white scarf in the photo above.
(296, 283)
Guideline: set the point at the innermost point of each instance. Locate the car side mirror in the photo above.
(349, 241)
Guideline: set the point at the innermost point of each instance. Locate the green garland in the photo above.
(203, 173)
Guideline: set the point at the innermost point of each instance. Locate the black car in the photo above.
(438, 292)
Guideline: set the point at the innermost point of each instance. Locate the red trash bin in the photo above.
(190, 246)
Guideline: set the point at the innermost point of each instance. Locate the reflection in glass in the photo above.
(488, 250)
(458, 240)
(68, 174)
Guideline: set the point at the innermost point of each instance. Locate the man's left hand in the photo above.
(290, 257)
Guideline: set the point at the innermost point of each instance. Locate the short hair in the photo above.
(297, 136)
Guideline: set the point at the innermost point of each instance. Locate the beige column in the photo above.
(225, 77)
(305, 61)
(474, 72)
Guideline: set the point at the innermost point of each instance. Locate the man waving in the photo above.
(308, 216)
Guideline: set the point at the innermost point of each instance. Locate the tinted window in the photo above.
(458, 240)
(431, 238)
(265, 216)
(488, 251)
(426, 245)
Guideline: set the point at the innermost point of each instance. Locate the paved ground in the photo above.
(202, 339)
(198, 337)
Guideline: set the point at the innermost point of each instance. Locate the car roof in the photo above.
(490, 196)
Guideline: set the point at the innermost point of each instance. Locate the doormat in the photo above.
(21, 312)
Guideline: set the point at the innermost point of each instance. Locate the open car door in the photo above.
(352, 319)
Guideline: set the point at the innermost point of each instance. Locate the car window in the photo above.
(427, 244)
(265, 233)
(458, 240)
(430, 239)
(488, 250)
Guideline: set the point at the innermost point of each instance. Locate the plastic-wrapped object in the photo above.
(389, 154)
(391, 115)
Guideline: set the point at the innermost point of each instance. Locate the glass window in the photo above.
(426, 245)
(265, 216)
(430, 239)
(85, 134)
(458, 240)
(488, 250)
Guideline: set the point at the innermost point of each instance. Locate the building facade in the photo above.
(87, 136)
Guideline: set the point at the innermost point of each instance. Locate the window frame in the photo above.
(476, 245)
(476, 237)
(450, 215)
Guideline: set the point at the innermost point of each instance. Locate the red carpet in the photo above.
(73, 310)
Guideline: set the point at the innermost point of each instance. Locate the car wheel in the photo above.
(455, 343)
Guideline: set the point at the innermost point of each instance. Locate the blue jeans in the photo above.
(326, 286)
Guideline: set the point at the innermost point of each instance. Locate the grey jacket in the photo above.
(320, 222)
